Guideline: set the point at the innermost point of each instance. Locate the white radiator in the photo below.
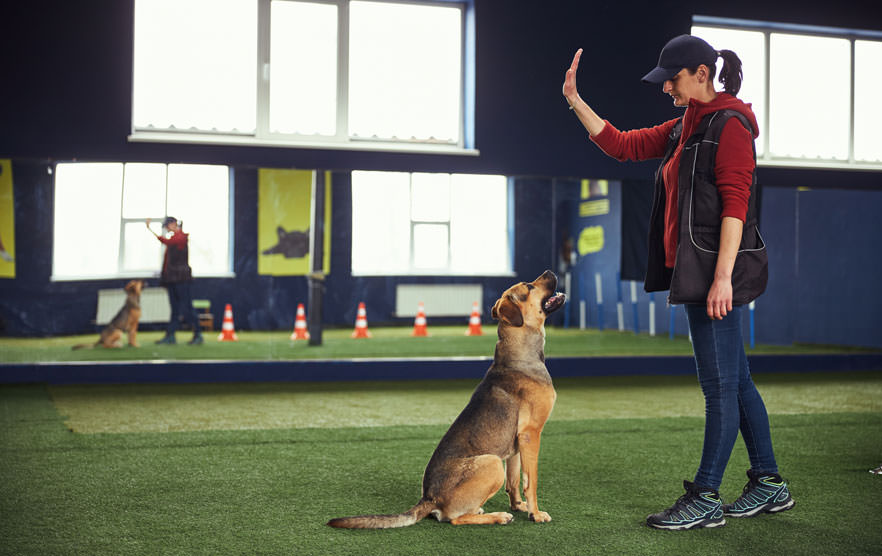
(440, 300)
(154, 305)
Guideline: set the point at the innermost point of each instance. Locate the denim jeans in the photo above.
(181, 301)
(732, 402)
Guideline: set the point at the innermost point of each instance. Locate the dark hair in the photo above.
(731, 74)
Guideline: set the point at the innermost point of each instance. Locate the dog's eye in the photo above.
(531, 287)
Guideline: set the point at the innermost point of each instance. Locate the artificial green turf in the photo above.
(271, 491)
(444, 341)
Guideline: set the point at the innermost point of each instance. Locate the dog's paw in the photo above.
(520, 507)
(540, 517)
(503, 518)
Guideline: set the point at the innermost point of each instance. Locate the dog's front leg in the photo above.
(528, 442)
(513, 483)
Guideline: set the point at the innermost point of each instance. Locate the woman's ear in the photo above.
(507, 311)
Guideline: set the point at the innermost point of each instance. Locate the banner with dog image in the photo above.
(284, 202)
(7, 221)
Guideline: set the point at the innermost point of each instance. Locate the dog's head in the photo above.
(135, 287)
(529, 303)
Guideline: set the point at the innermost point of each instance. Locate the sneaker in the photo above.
(699, 507)
(763, 493)
(167, 339)
(196, 341)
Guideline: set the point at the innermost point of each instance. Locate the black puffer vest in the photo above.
(700, 207)
(176, 266)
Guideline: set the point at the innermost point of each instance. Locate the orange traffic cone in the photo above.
(228, 333)
(419, 323)
(474, 322)
(300, 331)
(361, 328)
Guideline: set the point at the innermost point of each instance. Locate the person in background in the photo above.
(704, 226)
(176, 277)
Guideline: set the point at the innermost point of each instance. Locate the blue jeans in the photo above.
(181, 301)
(732, 402)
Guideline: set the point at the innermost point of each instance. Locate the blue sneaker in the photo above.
(763, 493)
(699, 507)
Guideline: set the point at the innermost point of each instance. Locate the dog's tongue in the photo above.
(554, 301)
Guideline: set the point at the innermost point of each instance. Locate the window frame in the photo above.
(447, 271)
(121, 273)
(767, 28)
(341, 139)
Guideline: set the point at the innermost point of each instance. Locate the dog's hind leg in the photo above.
(485, 477)
(513, 483)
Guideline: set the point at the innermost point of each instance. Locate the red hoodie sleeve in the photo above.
(178, 239)
(734, 168)
(637, 144)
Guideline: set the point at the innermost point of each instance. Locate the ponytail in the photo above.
(730, 75)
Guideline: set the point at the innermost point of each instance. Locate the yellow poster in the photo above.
(7, 221)
(284, 202)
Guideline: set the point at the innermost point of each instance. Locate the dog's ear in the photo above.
(508, 312)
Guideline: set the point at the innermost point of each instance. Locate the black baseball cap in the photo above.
(681, 52)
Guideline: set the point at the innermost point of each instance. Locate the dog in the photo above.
(126, 320)
(497, 434)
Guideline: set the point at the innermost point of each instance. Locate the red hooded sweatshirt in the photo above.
(734, 163)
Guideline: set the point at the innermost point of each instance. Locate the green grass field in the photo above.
(444, 341)
(259, 468)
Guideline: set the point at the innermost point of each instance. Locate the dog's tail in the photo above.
(422, 509)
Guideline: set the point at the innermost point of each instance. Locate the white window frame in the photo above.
(767, 28)
(341, 140)
(156, 219)
(414, 270)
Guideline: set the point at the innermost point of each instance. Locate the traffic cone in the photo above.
(228, 333)
(300, 331)
(419, 323)
(361, 328)
(474, 322)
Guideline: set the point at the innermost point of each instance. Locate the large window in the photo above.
(430, 224)
(324, 73)
(101, 210)
(808, 116)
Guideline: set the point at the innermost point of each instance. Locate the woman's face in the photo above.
(683, 87)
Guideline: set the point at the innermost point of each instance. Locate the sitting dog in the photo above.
(126, 320)
(502, 423)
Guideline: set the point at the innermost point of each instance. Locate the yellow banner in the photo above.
(284, 203)
(7, 221)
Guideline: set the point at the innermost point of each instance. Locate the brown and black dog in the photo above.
(126, 320)
(497, 434)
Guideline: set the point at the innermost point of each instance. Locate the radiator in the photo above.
(154, 305)
(440, 300)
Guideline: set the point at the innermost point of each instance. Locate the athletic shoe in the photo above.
(699, 507)
(167, 340)
(877, 471)
(196, 341)
(763, 493)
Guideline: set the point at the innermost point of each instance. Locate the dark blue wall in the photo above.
(66, 95)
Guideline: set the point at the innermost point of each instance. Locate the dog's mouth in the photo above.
(554, 302)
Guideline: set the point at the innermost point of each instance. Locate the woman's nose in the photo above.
(667, 86)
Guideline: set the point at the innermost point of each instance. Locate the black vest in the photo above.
(699, 208)
(176, 267)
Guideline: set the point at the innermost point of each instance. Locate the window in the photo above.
(430, 224)
(830, 122)
(112, 202)
(327, 73)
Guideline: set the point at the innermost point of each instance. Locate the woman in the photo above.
(705, 248)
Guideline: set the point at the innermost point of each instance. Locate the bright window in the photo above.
(810, 120)
(112, 202)
(341, 73)
(444, 224)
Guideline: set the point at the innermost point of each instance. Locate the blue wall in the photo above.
(66, 95)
